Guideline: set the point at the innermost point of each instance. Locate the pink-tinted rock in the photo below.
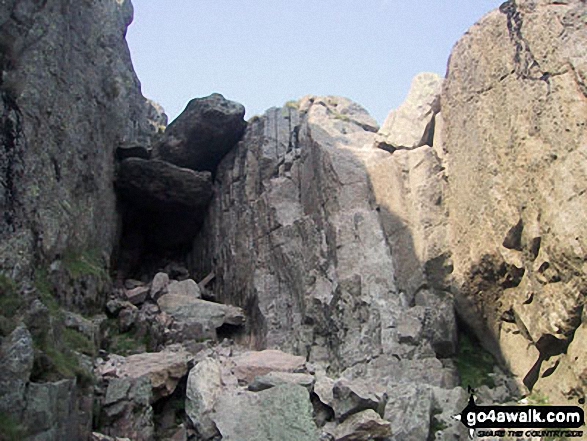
(254, 364)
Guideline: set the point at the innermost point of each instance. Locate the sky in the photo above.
(263, 53)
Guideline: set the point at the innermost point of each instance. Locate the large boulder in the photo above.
(204, 388)
(282, 413)
(196, 319)
(514, 105)
(159, 186)
(163, 369)
(205, 131)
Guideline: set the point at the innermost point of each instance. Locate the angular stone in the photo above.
(409, 410)
(273, 379)
(350, 397)
(138, 295)
(198, 319)
(205, 131)
(253, 364)
(159, 285)
(324, 389)
(364, 426)
(282, 413)
(184, 288)
(158, 185)
(52, 410)
(163, 369)
(101, 437)
(127, 411)
(16, 363)
(412, 124)
(204, 387)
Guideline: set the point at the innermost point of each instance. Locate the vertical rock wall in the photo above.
(515, 110)
(69, 96)
(294, 234)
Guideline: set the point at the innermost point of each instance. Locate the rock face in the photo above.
(61, 117)
(298, 240)
(514, 105)
(205, 131)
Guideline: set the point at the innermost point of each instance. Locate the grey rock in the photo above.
(439, 316)
(364, 426)
(163, 369)
(409, 409)
(159, 286)
(156, 117)
(412, 124)
(16, 364)
(51, 411)
(127, 317)
(133, 283)
(184, 288)
(534, 201)
(63, 118)
(350, 397)
(319, 272)
(126, 410)
(205, 131)
(273, 379)
(447, 403)
(204, 388)
(138, 295)
(158, 185)
(282, 413)
(198, 319)
(251, 365)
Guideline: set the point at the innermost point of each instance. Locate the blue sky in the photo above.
(263, 53)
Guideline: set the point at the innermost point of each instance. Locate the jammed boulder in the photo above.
(159, 186)
(206, 130)
(164, 206)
